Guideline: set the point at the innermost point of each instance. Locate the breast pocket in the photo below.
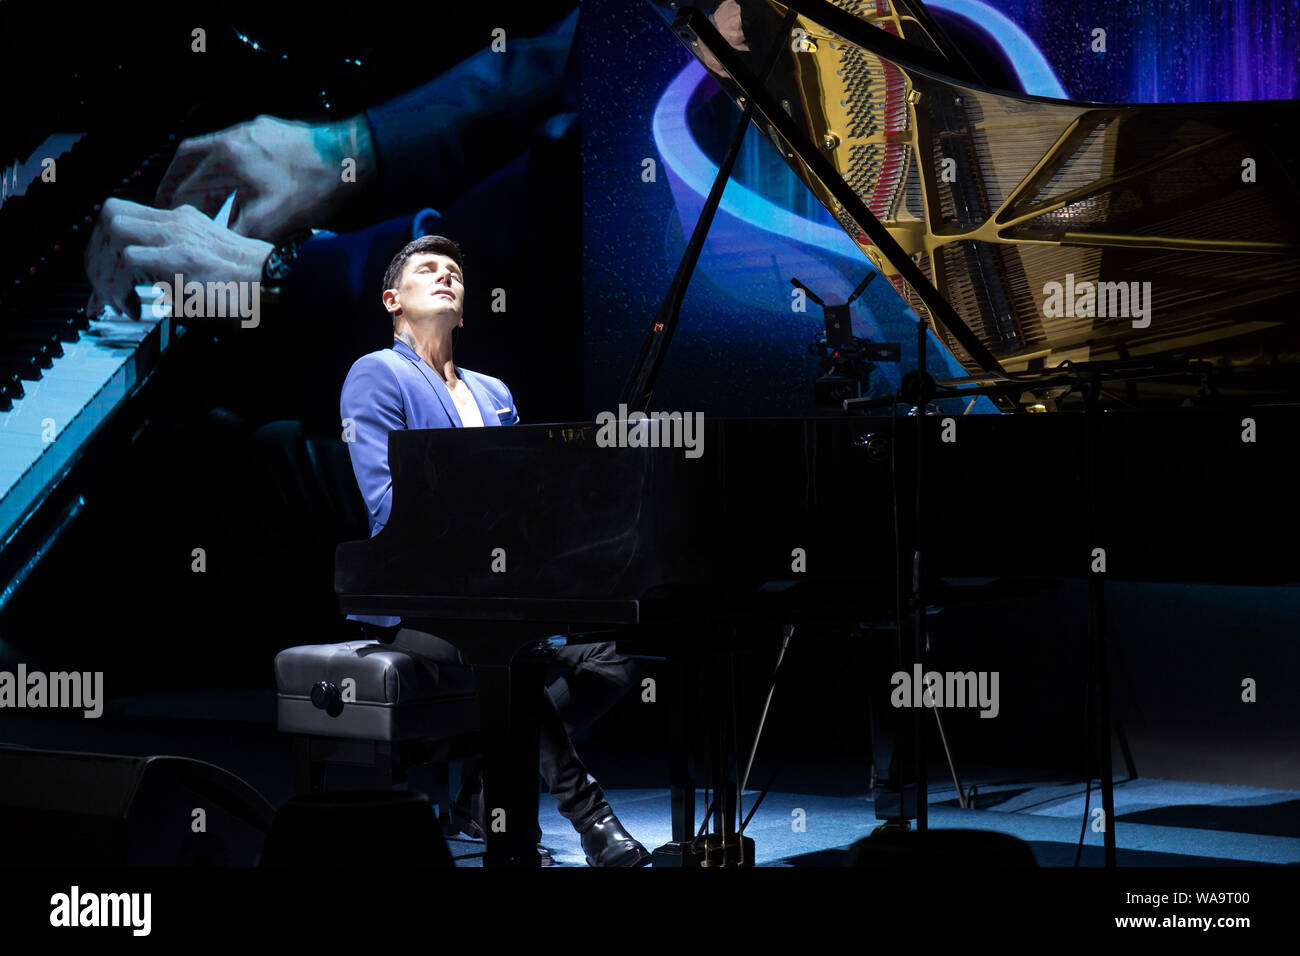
(506, 416)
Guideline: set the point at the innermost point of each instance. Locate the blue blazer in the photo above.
(395, 388)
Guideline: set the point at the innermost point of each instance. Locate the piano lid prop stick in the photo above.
(639, 387)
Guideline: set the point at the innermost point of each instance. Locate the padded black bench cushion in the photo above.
(397, 696)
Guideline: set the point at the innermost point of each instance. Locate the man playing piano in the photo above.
(416, 384)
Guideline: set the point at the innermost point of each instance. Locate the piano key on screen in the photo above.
(222, 218)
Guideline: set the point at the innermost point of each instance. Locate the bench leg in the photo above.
(508, 702)
(309, 774)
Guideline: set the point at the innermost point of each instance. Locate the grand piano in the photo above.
(1161, 457)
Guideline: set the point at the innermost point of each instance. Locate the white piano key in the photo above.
(79, 393)
(222, 218)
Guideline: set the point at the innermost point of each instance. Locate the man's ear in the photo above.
(389, 299)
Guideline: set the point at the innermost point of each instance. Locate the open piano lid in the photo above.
(1032, 231)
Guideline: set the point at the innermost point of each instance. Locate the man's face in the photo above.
(431, 285)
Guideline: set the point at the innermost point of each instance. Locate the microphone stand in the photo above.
(918, 587)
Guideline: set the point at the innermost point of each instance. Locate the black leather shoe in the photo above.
(464, 821)
(467, 817)
(466, 810)
(606, 843)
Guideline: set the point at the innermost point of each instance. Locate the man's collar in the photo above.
(434, 380)
(481, 400)
(406, 350)
(413, 356)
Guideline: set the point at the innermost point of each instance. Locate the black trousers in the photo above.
(583, 682)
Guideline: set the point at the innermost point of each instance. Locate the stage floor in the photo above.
(1159, 822)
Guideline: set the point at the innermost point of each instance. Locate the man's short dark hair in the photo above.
(438, 245)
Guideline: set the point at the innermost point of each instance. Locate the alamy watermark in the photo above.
(947, 689)
(75, 689)
(209, 300)
(1102, 300)
(77, 909)
(656, 430)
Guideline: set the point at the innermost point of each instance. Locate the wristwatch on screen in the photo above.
(280, 263)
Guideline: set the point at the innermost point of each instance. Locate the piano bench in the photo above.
(362, 703)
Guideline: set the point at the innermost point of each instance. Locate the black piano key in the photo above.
(60, 317)
(40, 355)
(43, 290)
(11, 386)
(65, 329)
(23, 366)
(69, 304)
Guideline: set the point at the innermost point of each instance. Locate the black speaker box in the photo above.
(61, 809)
(352, 829)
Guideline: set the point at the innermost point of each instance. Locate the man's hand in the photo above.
(727, 19)
(138, 245)
(287, 176)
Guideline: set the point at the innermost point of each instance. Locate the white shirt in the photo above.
(470, 416)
